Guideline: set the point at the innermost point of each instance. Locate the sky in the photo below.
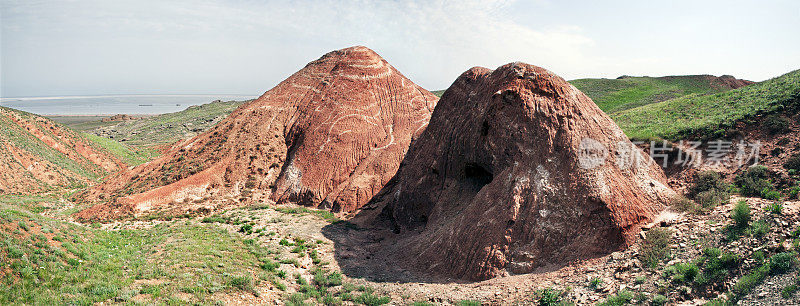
(58, 48)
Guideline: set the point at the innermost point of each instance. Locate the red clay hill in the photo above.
(37, 155)
(516, 170)
(330, 136)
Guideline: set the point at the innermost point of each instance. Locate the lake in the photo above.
(113, 104)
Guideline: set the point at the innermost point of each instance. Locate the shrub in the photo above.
(548, 297)
(244, 283)
(746, 283)
(793, 163)
(655, 247)
(790, 290)
(776, 208)
(759, 229)
(793, 193)
(682, 272)
(623, 297)
(685, 205)
(270, 265)
(595, 283)
(368, 299)
(716, 265)
(776, 124)
(709, 189)
(659, 300)
(741, 214)
(323, 279)
(753, 182)
(770, 194)
(782, 262)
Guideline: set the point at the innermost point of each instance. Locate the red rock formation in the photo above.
(732, 82)
(518, 169)
(330, 135)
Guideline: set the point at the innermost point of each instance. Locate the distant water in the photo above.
(110, 105)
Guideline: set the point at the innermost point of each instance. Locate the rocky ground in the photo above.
(356, 253)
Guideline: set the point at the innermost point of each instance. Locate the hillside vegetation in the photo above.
(168, 128)
(613, 95)
(709, 114)
(40, 155)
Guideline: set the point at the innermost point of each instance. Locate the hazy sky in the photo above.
(246, 47)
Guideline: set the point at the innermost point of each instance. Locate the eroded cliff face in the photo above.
(518, 169)
(329, 136)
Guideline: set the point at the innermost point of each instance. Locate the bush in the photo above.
(595, 283)
(548, 297)
(709, 189)
(793, 163)
(745, 284)
(770, 194)
(369, 299)
(753, 182)
(793, 193)
(741, 214)
(323, 279)
(659, 300)
(244, 283)
(759, 229)
(682, 272)
(790, 290)
(685, 205)
(776, 124)
(655, 247)
(782, 262)
(776, 208)
(623, 297)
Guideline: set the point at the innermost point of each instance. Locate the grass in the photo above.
(170, 127)
(623, 297)
(741, 214)
(655, 247)
(83, 123)
(15, 135)
(614, 95)
(709, 190)
(72, 264)
(129, 155)
(711, 115)
(713, 267)
(755, 182)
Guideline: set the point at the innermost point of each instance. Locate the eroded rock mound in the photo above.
(518, 169)
(330, 135)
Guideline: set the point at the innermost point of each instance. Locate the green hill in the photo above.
(709, 114)
(614, 95)
(168, 128)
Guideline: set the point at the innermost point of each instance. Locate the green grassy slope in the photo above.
(45, 261)
(613, 95)
(132, 156)
(168, 128)
(20, 138)
(684, 116)
(82, 123)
